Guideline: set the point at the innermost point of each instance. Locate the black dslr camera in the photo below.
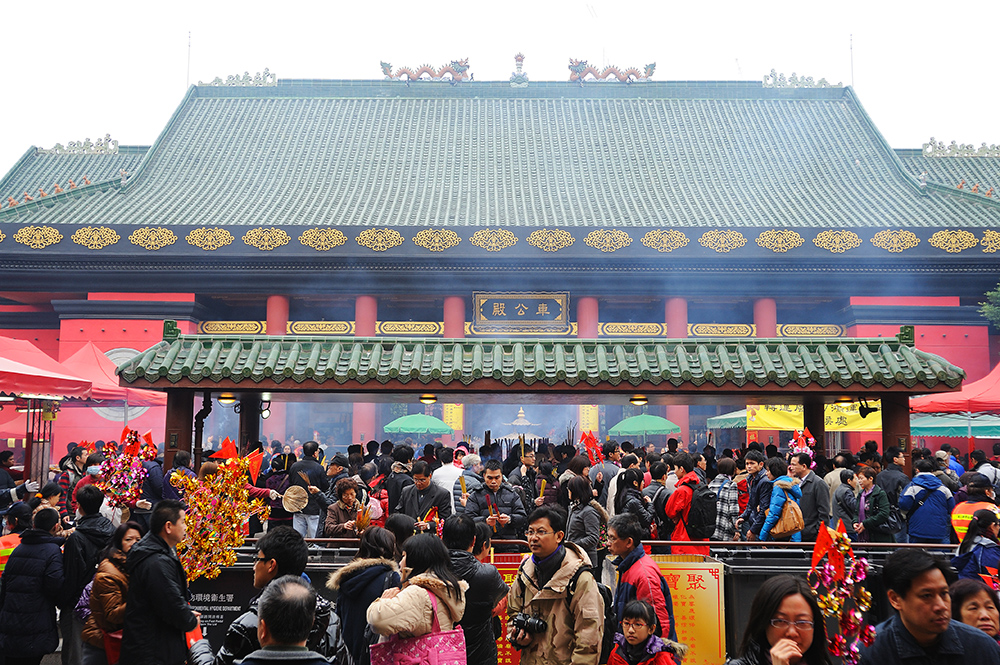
(528, 623)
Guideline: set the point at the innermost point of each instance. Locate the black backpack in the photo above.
(664, 525)
(700, 523)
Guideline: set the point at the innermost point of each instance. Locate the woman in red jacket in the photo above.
(638, 644)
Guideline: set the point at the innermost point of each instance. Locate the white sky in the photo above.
(78, 70)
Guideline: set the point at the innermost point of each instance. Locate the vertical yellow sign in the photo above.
(697, 593)
(454, 416)
(590, 419)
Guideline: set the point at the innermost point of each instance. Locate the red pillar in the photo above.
(454, 317)
(365, 323)
(587, 318)
(677, 318)
(765, 317)
(277, 315)
(365, 316)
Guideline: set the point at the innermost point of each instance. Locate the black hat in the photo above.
(340, 459)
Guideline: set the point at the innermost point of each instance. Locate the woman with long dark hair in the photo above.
(102, 632)
(980, 548)
(786, 626)
(425, 569)
(586, 518)
(629, 499)
(360, 582)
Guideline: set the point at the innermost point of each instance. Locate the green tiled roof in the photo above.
(36, 170)
(203, 360)
(950, 171)
(377, 153)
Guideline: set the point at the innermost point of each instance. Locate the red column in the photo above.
(676, 315)
(765, 317)
(454, 317)
(277, 315)
(365, 316)
(586, 318)
(365, 322)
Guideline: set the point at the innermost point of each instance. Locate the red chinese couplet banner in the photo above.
(507, 564)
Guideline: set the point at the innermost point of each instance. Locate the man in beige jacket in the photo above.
(574, 617)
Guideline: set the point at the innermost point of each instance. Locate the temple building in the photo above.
(429, 205)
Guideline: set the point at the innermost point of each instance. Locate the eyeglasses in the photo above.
(799, 625)
(539, 533)
(634, 625)
(258, 559)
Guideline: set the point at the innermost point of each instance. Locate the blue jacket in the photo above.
(984, 554)
(782, 484)
(639, 578)
(958, 645)
(932, 520)
(955, 466)
(759, 500)
(30, 588)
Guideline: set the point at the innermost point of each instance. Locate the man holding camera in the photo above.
(555, 610)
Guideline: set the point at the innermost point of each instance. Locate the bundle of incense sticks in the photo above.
(493, 512)
(541, 491)
(432, 514)
(303, 476)
(461, 481)
(363, 520)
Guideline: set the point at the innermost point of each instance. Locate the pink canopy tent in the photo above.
(24, 368)
(982, 396)
(90, 363)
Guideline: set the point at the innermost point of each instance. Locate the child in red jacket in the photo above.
(638, 644)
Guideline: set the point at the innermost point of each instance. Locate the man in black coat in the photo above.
(308, 520)
(419, 499)
(498, 505)
(11, 491)
(281, 552)
(30, 589)
(157, 614)
(402, 463)
(486, 588)
(286, 612)
(81, 555)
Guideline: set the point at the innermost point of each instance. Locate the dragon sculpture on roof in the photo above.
(579, 70)
(459, 70)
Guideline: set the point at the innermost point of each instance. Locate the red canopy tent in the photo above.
(982, 396)
(25, 369)
(90, 363)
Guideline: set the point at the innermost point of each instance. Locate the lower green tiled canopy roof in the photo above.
(340, 363)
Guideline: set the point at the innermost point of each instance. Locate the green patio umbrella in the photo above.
(643, 425)
(956, 425)
(731, 420)
(418, 423)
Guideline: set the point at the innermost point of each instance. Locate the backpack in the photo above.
(610, 615)
(664, 525)
(700, 523)
(791, 521)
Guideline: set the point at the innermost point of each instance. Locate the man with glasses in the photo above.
(524, 475)
(545, 589)
(424, 501)
(639, 577)
(281, 551)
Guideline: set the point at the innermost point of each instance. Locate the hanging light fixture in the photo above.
(639, 400)
(428, 399)
(227, 399)
(265, 409)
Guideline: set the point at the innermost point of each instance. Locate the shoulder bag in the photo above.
(442, 647)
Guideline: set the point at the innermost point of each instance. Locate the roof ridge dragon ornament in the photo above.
(579, 70)
(458, 69)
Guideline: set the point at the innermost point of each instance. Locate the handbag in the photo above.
(112, 646)
(791, 521)
(437, 647)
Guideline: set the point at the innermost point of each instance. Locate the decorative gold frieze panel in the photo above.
(895, 240)
(722, 241)
(321, 327)
(232, 327)
(810, 330)
(493, 240)
(95, 237)
(551, 240)
(837, 242)
(37, 237)
(322, 239)
(210, 238)
(990, 242)
(952, 241)
(780, 240)
(436, 240)
(721, 330)
(152, 238)
(608, 240)
(2, 236)
(379, 240)
(421, 328)
(664, 240)
(631, 329)
(267, 239)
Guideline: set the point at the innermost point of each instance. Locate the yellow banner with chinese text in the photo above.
(696, 589)
(590, 419)
(837, 417)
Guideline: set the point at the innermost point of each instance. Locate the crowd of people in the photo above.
(108, 585)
